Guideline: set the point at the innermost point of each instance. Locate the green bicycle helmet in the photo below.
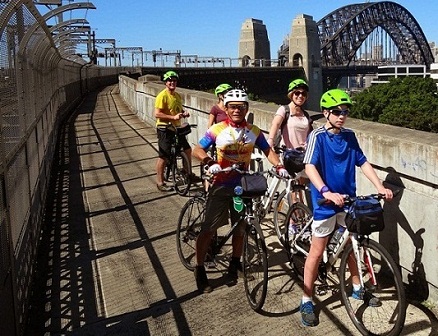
(222, 88)
(170, 74)
(335, 97)
(296, 83)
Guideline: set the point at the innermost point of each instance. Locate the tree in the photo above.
(410, 102)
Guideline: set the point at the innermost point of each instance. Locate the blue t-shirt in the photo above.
(336, 157)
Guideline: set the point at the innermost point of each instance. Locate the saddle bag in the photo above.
(364, 216)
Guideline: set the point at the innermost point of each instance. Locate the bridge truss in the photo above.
(345, 30)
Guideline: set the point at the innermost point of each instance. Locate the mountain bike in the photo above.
(178, 166)
(254, 259)
(378, 273)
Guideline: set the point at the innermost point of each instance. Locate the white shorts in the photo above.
(324, 227)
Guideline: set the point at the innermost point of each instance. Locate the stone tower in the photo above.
(254, 47)
(305, 51)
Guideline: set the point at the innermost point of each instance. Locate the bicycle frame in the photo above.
(329, 260)
(248, 217)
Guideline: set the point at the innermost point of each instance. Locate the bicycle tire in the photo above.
(255, 269)
(189, 225)
(181, 174)
(280, 209)
(299, 214)
(388, 318)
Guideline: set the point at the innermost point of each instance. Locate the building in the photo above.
(386, 72)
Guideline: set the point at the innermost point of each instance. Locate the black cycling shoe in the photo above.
(234, 268)
(202, 280)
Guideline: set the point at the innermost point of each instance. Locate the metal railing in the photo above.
(40, 84)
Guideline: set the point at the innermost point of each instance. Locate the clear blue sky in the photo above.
(212, 28)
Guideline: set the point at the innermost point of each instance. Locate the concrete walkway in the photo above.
(108, 263)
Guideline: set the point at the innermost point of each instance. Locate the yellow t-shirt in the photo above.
(170, 104)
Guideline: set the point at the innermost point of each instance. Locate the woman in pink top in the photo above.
(296, 128)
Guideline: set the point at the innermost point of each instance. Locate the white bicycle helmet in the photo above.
(235, 95)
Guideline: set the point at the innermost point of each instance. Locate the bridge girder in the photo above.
(344, 30)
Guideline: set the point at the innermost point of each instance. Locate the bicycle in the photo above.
(379, 276)
(254, 259)
(179, 164)
(279, 202)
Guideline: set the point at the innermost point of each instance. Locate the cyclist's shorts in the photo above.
(324, 227)
(165, 139)
(219, 208)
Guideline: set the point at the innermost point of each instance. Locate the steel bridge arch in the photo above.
(343, 31)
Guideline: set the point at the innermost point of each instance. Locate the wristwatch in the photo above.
(324, 189)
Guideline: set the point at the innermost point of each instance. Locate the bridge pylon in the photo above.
(254, 45)
(305, 51)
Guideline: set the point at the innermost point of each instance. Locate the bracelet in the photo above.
(324, 189)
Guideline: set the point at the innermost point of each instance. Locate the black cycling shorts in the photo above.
(166, 138)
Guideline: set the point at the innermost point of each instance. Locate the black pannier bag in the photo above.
(253, 185)
(364, 216)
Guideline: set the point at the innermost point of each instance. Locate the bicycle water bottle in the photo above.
(335, 238)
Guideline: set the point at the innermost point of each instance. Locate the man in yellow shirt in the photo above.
(169, 112)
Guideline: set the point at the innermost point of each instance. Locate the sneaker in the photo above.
(164, 187)
(308, 317)
(202, 280)
(367, 297)
(234, 268)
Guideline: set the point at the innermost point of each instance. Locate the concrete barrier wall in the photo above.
(405, 159)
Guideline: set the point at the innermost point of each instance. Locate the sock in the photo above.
(306, 299)
(356, 287)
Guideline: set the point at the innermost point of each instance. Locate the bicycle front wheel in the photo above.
(381, 308)
(297, 215)
(181, 174)
(255, 268)
(189, 225)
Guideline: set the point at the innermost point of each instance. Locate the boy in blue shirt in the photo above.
(332, 155)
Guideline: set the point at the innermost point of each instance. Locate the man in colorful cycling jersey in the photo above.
(235, 140)
(332, 155)
(169, 112)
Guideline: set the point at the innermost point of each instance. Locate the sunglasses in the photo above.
(239, 107)
(302, 93)
(337, 112)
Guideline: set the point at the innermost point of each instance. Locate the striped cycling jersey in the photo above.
(234, 145)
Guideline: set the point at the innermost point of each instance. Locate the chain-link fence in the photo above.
(41, 81)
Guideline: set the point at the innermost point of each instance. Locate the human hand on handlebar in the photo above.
(283, 172)
(214, 168)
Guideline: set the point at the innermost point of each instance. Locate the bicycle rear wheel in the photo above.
(382, 280)
(181, 174)
(255, 269)
(189, 225)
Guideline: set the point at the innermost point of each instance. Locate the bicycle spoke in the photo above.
(181, 176)
(189, 226)
(382, 309)
(255, 269)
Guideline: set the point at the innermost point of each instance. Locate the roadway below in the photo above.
(108, 263)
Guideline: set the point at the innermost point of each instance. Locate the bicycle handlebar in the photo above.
(350, 199)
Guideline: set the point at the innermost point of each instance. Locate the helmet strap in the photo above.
(333, 126)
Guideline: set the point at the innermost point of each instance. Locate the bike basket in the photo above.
(184, 129)
(365, 216)
(253, 185)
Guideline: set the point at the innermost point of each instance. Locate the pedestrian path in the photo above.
(108, 263)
